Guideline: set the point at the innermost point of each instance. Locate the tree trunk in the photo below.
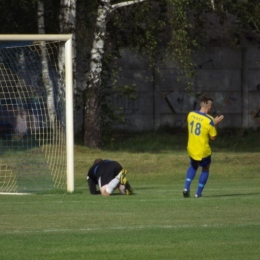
(92, 131)
(92, 117)
(67, 21)
(45, 68)
(92, 126)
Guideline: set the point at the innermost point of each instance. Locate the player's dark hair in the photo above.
(205, 99)
(97, 161)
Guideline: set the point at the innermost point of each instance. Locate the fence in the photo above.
(230, 76)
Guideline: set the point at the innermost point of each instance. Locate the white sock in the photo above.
(112, 185)
(122, 188)
(118, 175)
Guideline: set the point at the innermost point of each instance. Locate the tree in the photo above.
(67, 20)
(92, 129)
(158, 24)
(176, 26)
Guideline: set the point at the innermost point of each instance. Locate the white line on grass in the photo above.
(14, 193)
(56, 230)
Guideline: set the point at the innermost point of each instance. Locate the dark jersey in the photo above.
(101, 174)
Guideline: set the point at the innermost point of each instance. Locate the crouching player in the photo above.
(105, 176)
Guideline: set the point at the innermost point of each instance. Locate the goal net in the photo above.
(36, 113)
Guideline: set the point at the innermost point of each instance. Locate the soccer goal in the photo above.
(36, 113)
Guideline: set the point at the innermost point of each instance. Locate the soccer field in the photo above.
(155, 223)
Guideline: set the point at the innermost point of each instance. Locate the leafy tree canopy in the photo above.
(20, 17)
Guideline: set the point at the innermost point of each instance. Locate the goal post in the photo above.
(32, 128)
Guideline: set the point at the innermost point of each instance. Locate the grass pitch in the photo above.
(155, 223)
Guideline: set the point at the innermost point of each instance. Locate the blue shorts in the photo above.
(203, 163)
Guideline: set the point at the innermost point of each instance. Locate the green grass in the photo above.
(156, 222)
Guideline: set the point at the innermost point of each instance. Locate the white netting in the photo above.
(32, 117)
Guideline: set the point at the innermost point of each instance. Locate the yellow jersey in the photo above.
(200, 127)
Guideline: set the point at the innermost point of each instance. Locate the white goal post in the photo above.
(54, 161)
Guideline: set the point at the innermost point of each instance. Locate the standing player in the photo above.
(201, 128)
(107, 175)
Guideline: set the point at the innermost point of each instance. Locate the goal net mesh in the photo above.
(32, 117)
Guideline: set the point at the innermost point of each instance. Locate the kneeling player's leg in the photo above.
(111, 186)
(103, 190)
(122, 189)
(107, 189)
(103, 186)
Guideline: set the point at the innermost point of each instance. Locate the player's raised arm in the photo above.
(218, 119)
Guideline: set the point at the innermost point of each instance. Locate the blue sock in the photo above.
(191, 172)
(202, 182)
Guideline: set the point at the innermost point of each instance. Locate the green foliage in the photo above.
(174, 26)
(147, 28)
(177, 27)
(18, 16)
(246, 12)
(141, 27)
(112, 113)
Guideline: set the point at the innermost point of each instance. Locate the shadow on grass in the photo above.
(234, 194)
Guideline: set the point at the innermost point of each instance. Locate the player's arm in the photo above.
(212, 132)
(218, 119)
(92, 186)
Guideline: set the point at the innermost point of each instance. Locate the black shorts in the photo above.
(106, 178)
(107, 171)
(203, 163)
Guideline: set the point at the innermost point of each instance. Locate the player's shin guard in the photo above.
(202, 182)
(191, 172)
